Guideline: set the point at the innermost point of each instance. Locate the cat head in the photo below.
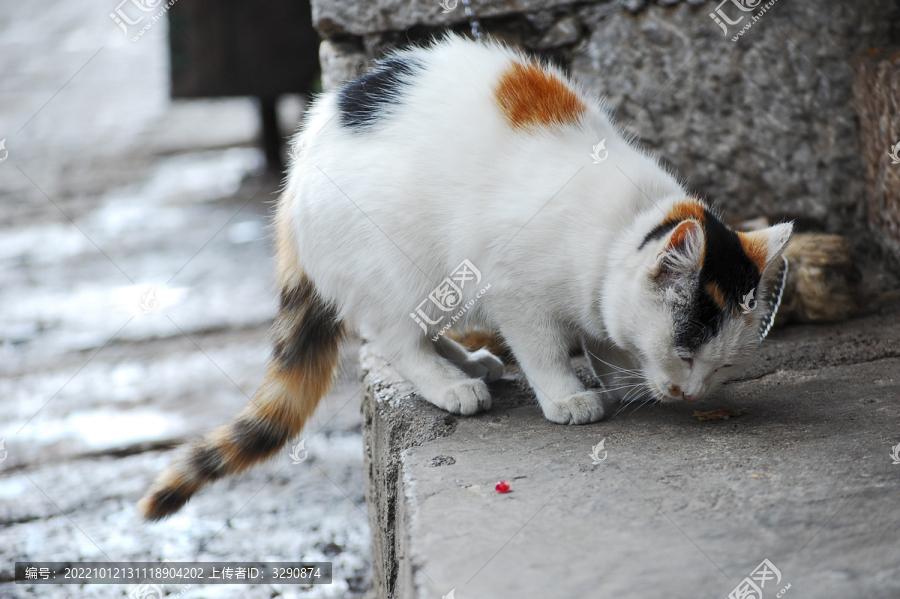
(679, 300)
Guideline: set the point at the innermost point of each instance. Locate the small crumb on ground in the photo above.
(718, 414)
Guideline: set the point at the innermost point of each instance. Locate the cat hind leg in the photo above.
(438, 379)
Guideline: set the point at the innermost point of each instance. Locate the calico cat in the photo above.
(471, 154)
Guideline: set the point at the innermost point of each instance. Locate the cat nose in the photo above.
(688, 397)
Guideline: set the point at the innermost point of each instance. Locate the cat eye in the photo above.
(690, 362)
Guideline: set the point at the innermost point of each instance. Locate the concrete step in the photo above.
(678, 508)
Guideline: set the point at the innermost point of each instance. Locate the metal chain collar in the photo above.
(477, 33)
(774, 302)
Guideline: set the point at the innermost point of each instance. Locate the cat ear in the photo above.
(682, 253)
(765, 245)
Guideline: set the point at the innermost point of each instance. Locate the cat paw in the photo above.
(580, 408)
(466, 398)
(483, 365)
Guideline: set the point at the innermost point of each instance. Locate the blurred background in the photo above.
(138, 165)
(143, 155)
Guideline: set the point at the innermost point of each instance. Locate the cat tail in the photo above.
(306, 340)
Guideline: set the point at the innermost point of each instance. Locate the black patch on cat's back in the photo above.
(363, 101)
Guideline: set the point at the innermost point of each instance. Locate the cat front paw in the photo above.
(580, 408)
(466, 398)
(483, 365)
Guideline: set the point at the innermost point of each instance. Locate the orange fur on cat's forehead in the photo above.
(756, 248)
(754, 244)
(715, 292)
(686, 209)
(530, 96)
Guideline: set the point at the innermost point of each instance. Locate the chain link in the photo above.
(477, 32)
(775, 302)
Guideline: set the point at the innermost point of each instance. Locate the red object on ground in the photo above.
(502, 487)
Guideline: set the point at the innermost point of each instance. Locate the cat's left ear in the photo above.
(763, 247)
(682, 254)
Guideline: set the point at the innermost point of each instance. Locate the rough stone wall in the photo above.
(877, 94)
(761, 125)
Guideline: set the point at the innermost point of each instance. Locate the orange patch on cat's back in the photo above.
(530, 96)
(756, 249)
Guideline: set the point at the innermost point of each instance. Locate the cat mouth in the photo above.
(674, 394)
(658, 394)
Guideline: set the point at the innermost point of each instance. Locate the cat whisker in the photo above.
(624, 405)
(625, 378)
(645, 402)
(619, 388)
(613, 366)
(636, 393)
(637, 390)
(629, 381)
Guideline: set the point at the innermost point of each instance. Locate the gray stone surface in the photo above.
(876, 91)
(679, 508)
(335, 18)
(340, 62)
(341, 17)
(764, 125)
